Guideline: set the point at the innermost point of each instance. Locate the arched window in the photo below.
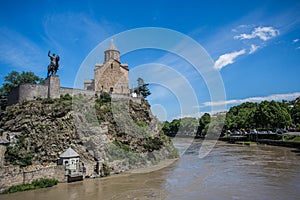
(111, 65)
(111, 90)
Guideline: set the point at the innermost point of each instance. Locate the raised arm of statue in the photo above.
(49, 54)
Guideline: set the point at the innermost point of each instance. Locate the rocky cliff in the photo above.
(109, 135)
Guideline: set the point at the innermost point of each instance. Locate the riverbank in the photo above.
(229, 172)
(162, 164)
(280, 143)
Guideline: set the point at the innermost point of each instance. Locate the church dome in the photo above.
(112, 53)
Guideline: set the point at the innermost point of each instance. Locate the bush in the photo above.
(41, 183)
(66, 97)
(122, 145)
(152, 144)
(14, 156)
(141, 123)
(104, 98)
(18, 188)
(105, 171)
(47, 101)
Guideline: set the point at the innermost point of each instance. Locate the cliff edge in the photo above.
(110, 135)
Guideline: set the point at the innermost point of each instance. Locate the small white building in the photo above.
(70, 159)
(134, 95)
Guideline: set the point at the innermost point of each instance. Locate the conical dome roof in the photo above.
(112, 46)
(69, 153)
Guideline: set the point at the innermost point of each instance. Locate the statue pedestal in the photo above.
(53, 83)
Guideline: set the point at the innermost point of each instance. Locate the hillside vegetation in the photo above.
(121, 133)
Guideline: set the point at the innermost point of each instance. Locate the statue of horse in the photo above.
(53, 66)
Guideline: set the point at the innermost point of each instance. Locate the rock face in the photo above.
(110, 136)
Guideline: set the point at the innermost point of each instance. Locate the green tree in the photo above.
(188, 126)
(203, 124)
(143, 88)
(216, 125)
(241, 116)
(14, 79)
(295, 113)
(171, 128)
(272, 115)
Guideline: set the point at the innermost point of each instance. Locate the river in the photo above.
(228, 172)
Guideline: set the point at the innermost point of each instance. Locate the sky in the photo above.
(252, 47)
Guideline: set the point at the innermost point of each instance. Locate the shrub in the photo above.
(66, 97)
(141, 123)
(41, 183)
(152, 144)
(14, 156)
(47, 101)
(104, 98)
(105, 171)
(122, 145)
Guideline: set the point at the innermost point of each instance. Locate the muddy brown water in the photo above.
(228, 172)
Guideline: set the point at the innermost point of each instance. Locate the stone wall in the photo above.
(51, 89)
(13, 96)
(27, 92)
(14, 175)
(32, 91)
(72, 91)
(2, 153)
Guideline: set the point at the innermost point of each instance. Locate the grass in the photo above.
(41, 183)
(291, 138)
(249, 143)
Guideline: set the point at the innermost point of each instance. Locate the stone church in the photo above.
(110, 76)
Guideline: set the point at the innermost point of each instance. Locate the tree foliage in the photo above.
(142, 88)
(14, 79)
(187, 126)
(203, 124)
(295, 113)
(264, 115)
(267, 115)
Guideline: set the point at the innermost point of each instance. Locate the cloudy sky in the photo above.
(254, 46)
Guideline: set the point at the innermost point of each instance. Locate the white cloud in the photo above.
(264, 33)
(227, 59)
(275, 97)
(296, 40)
(19, 51)
(253, 48)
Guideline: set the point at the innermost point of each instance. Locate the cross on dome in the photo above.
(112, 45)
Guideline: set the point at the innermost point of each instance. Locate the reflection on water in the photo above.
(228, 172)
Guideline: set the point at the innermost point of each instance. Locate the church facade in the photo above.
(111, 76)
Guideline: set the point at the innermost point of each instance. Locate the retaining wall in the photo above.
(14, 175)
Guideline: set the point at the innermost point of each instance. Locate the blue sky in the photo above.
(254, 45)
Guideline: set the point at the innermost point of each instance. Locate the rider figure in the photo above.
(52, 58)
(53, 66)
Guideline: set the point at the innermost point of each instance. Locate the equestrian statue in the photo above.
(53, 66)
